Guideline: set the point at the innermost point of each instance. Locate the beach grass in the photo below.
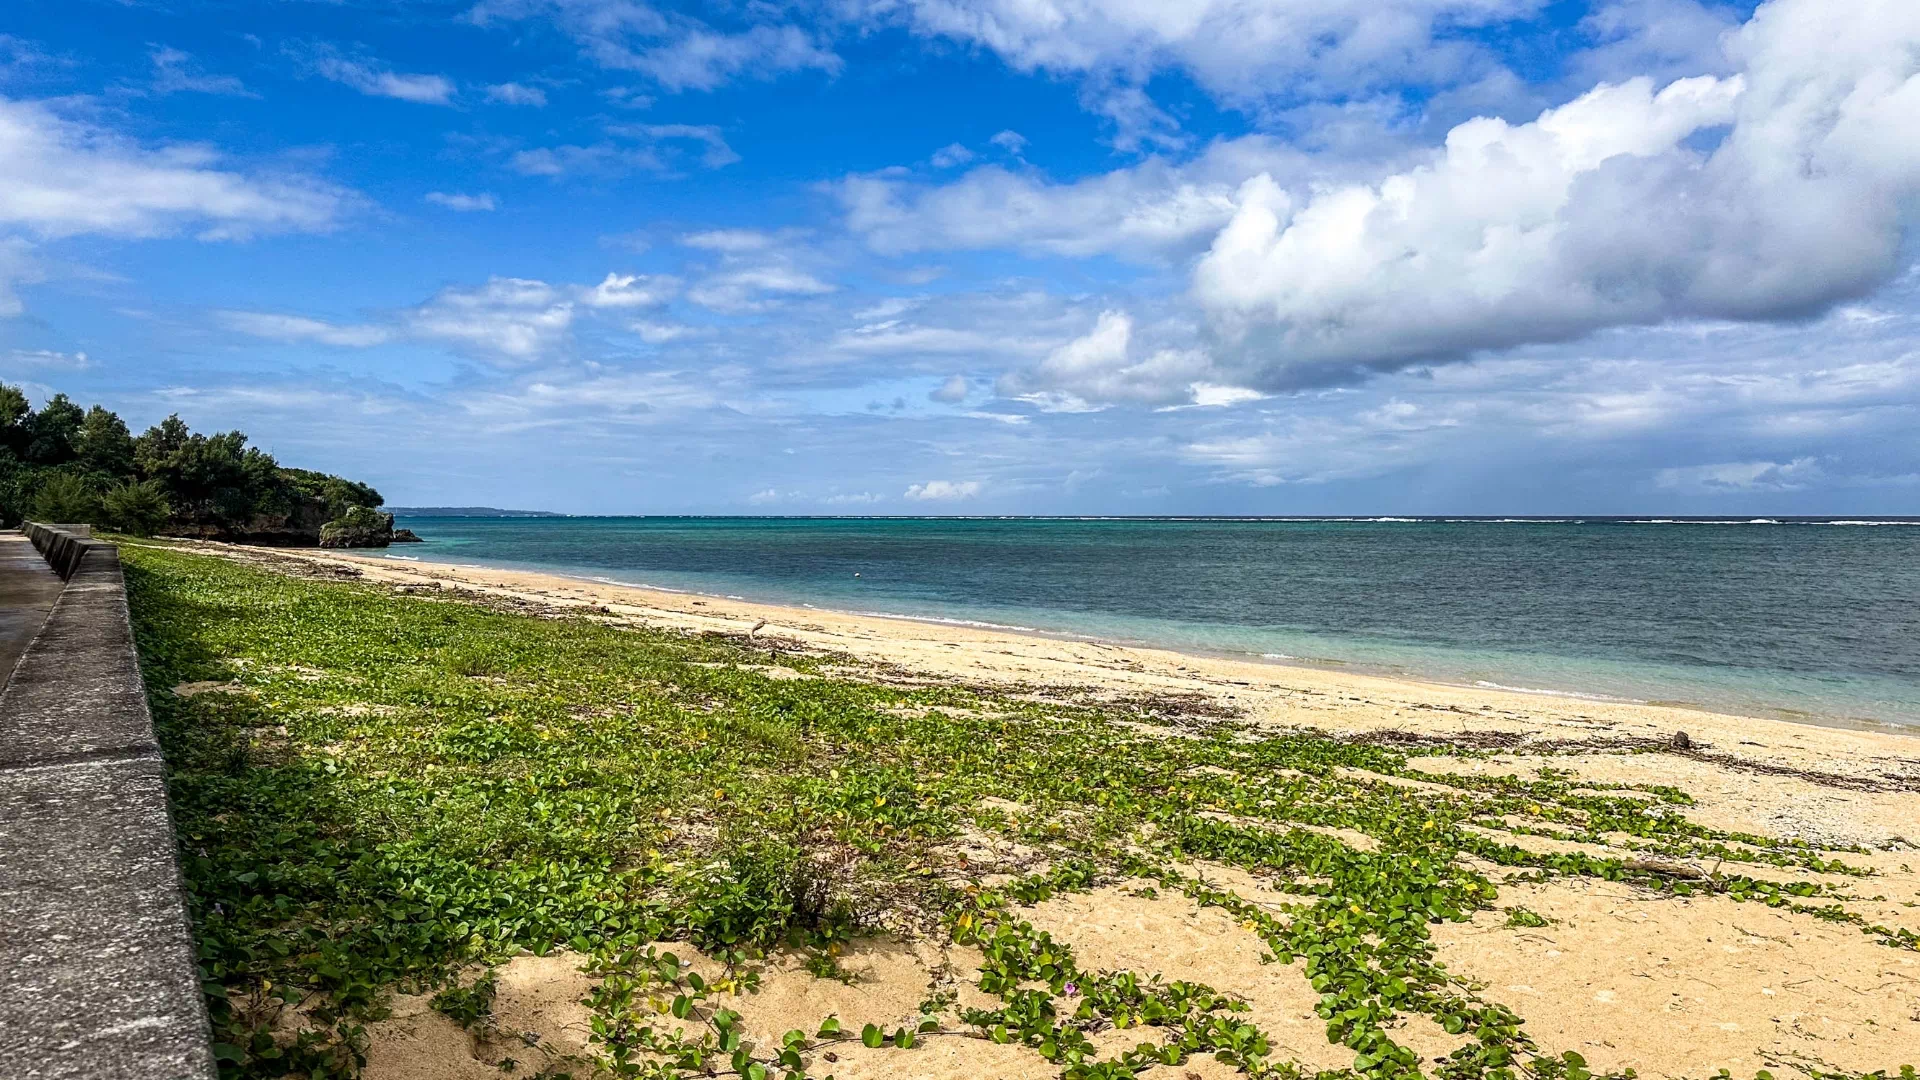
(377, 791)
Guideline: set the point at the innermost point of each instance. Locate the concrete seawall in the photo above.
(97, 975)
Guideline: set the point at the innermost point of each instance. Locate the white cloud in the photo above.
(951, 392)
(375, 82)
(715, 152)
(745, 289)
(1666, 39)
(463, 203)
(512, 319)
(678, 51)
(18, 266)
(1011, 141)
(654, 333)
(943, 490)
(630, 291)
(858, 498)
(1213, 396)
(41, 358)
(729, 241)
(1768, 194)
(896, 338)
(511, 93)
(626, 97)
(174, 72)
(62, 177)
(1150, 209)
(701, 59)
(647, 148)
(1105, 366)
(950, 155)
(1740, 477)
(276, 327)
(1238, 49)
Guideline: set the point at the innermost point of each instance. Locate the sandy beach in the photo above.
(1666, 985)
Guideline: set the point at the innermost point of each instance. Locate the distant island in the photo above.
(469, 511)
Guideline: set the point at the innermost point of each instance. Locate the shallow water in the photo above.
(1797, 617)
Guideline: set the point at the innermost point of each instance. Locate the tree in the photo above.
(158, 443)
(54, 430)
(136, 507)
(105, 444)
(14, 414)
(66, 499)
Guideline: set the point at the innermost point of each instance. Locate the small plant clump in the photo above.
(399, 788)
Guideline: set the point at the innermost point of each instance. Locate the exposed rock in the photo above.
(406, 536)
(359, 527)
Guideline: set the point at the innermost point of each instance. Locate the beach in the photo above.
(1265, 692)
(1663, 970)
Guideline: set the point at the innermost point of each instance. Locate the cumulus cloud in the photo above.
(373, 81)
(950, 155)
(65, 177)
(630, 291)
(677, 50)
(515, 320)
(1768, 194)
(943, 490)
(511, 93)
(1105, 365)
(464, 203)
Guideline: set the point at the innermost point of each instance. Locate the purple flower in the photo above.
(1070, 989)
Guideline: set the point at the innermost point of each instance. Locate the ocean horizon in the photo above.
(1808, 618)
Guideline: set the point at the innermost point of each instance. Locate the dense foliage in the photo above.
(63, 464)
(373, 790)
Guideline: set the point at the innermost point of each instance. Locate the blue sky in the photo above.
(987, 256)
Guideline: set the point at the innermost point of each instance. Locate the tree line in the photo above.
(62, 463)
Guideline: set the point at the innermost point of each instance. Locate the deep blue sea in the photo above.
(1806, 618)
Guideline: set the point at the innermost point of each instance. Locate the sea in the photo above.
(1813, 619)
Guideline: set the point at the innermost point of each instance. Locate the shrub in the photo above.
(66, 498)
(136, 507)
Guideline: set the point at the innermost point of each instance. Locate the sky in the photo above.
(987, 256)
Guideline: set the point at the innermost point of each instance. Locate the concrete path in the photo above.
(97, 977)
(28, 588)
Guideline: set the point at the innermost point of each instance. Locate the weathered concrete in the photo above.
(98, 980)
(28, 588)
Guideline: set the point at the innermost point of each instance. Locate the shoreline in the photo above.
(1264, 691)
(1336, 667)
(1622, 867)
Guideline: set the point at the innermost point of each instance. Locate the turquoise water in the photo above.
(1809, 618)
